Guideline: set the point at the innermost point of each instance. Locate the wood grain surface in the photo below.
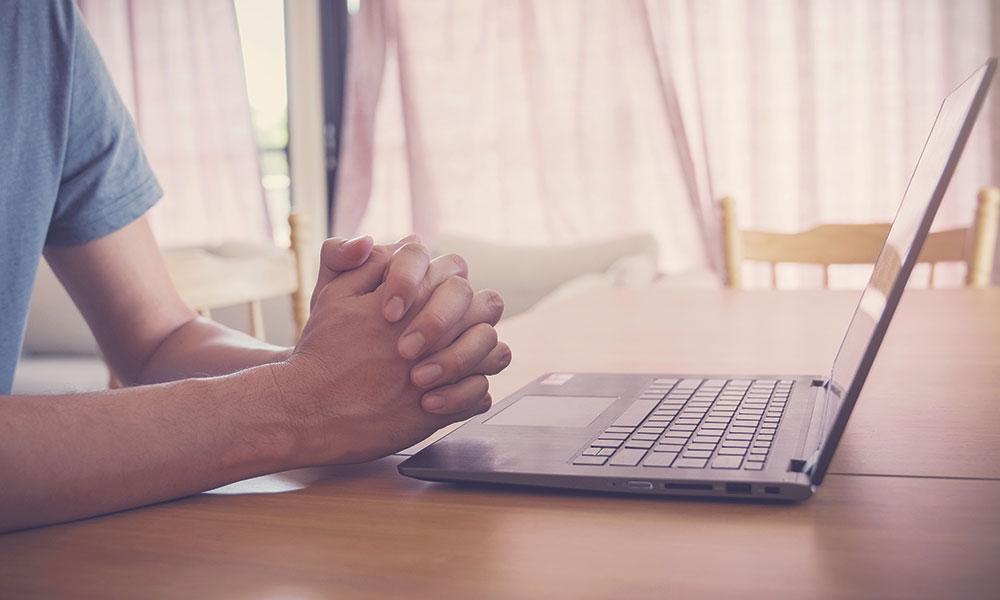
(898, 521)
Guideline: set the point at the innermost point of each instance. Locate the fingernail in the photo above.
(394, 309)
(433, 402)
(355, 241)
(411, 344)
(424, 375)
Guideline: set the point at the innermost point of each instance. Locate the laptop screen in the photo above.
(902, 246)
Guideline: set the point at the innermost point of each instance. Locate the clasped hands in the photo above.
(397, 346)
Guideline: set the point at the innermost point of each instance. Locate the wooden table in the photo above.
(911, 510)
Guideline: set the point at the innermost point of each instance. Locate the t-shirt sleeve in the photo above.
(106, 179)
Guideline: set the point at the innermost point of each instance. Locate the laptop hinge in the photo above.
(806, 466)
(796, 465)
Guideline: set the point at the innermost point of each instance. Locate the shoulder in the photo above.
(41, 24)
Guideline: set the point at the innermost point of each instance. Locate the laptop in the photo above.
(745, 436)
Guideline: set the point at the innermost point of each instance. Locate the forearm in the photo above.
(204, 348)
(68, 457)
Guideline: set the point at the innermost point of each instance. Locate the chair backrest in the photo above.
(237, 274)
(854, 244)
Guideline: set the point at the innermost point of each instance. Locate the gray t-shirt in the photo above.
(71, 168)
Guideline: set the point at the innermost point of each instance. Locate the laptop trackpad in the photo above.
(552, 411)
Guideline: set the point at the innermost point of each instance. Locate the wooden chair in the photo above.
(827, 245)
(237, 274)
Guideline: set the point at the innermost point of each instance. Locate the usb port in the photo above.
(639, 485)
(737, 488)
(772, 489)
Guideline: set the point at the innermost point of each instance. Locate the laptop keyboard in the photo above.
(695, 424)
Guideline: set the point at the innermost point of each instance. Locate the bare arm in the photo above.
(72, 456)
(146, 332)
(66, 457)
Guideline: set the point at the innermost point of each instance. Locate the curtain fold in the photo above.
(546, 122)
(179, 69)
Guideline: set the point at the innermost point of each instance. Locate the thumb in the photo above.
(363, 279)
(338, 255)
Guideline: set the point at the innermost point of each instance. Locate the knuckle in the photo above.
(435, 322)
(486, 333)
(504, 355)
(480, 384)
(459, 285)
(415, 249)
(459, 264)
(494, 302)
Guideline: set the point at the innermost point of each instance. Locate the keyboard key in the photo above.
(735, 444)
(676, 435)
(669, 448)
(635, 413)
(707, 439)
(714, 426)
(643, 444)
(767, 430)
(660, 459)
(590, 460)
(618, 430)
(763, 451)
(727, 462)
(732, 451)
(694, 446)
(607, 443)
(762, 444)
(690, 463)
(739, 429)
(646, 436)
(697, 454)
(739, 436)
(592, 451)
(629, 457)
(754, 466)
(613, 436)
(765, 438)
(606, 452)
(648, 429)
(756, 458)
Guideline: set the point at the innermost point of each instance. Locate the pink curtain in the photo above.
(557, 121)
(179, 68)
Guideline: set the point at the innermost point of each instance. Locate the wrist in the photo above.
(270, 434)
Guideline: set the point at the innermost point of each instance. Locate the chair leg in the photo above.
(731, 244)
(984, 238)
(257, 320)
(301, 295)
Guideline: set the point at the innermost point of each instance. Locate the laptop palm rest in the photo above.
(552, 411)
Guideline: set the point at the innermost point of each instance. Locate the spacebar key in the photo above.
(634, 414)
(627, 458)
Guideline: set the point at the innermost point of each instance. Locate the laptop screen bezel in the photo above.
(829, 443)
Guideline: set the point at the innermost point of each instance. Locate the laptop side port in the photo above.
(772, 489)
(737, 488)
(639, 485)
(688, 486)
